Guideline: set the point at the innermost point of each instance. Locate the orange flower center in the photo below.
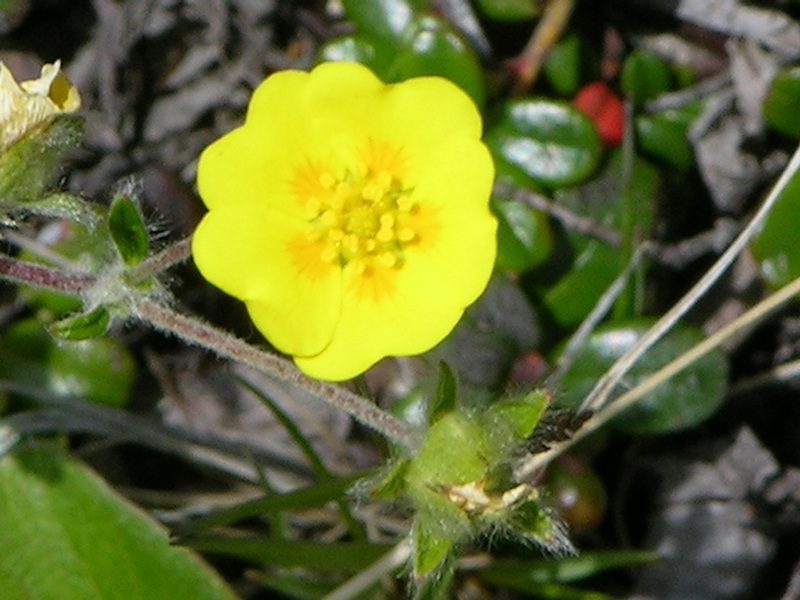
(364, 220)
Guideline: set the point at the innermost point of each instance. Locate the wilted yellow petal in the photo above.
(27, 105)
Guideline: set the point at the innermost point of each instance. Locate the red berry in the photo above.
(604, 108)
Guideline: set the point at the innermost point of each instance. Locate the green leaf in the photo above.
(91, 324)
(373, 52)
(566, 569)
(781, 102)
(128, 230)
(524, 236)
(510, 10)
(73, 538)
(663, 135)
(28, 167)
(687, 399)
(645, 76)
(596, 264)
(777, 245)
(100, 369)
(329, 557)
(551, 142)
(429, 46)
(563, 67)
(387, 19)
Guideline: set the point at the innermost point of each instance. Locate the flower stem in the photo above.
(171, 255)
(28, 273)
(228, 346)
(224, 344)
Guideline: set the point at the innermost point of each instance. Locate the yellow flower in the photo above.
(350, 216)
(26, 105)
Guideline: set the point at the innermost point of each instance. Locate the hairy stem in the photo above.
(224, 344)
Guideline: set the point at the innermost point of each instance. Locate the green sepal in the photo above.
(533, 522)
(389, 483)
(83, 326)
(520, 415)
(439, 525)
(453, 453)
(128, 230)
(27, 167)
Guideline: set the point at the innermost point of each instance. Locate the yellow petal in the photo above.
(248, 255)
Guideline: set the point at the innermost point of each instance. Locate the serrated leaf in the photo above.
(128, 230)
(73, 538)
(91, 324)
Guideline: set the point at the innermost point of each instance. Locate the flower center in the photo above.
(364, 220)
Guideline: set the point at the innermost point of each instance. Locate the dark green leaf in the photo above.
(551, 142)
(100, 369)
(319, 556)
(687, 399)
(780, 105)
(644, 76)
(777, 245)
(73, 538)
(563, 67)
(429, 46)
(524, 237)
(664, 135)
(375, 53)
(128, 230)
(387, 19)
(510, 10)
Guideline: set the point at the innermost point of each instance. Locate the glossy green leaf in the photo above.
(564, 65)
(595, 263)
(664, 135)
(387, 19)
(645, 75)
(430, 46)
(510, 10)
(99, 369)
(90, 324)
(777, 245)
(28, 167)
(551, 142)
(781, 102)
(128, 230)
(686, 400)
(68, 536)
(373, 52)
(524, 236)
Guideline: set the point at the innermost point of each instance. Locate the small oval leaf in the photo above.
(685, 400)
(128, 230)
(551, 142)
